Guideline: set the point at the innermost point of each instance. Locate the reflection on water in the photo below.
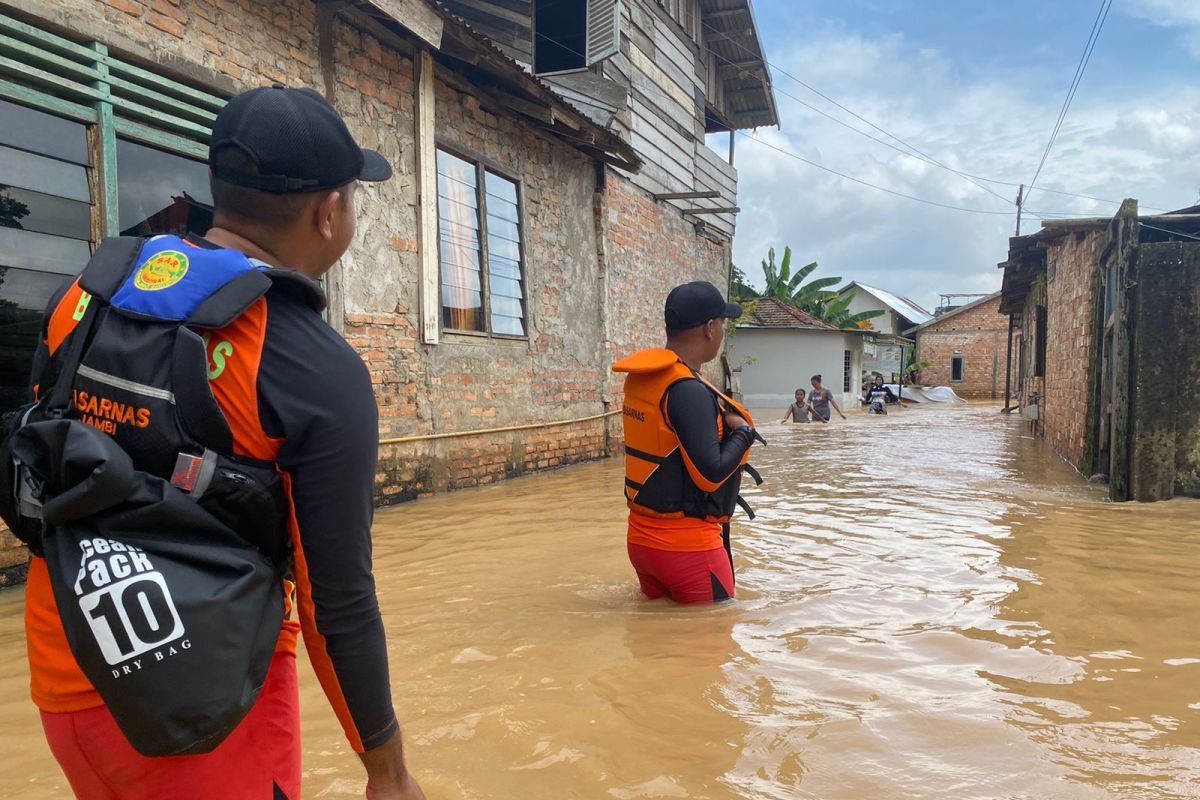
(930, 605)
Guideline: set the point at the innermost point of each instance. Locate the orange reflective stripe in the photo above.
(234, 354)
(314, 641)
(64, 317)
(698, 478)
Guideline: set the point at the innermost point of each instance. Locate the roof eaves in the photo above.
(576, 128)
(955, 312)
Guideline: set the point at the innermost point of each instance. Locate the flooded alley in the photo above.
(930, 604)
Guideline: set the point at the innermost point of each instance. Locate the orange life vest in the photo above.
(657, 480)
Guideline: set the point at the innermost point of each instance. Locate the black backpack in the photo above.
(165, 551)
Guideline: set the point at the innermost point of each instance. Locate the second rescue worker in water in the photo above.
(686, 446)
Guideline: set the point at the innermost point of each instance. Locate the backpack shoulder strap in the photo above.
(110, 265)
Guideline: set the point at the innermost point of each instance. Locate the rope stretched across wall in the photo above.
(486, 431)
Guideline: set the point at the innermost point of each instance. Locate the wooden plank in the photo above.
(605, 91)
(655, 110)
(45, 102)
(162, 118)
(47, 40)
(719, 210)
(174, 106)
(146, 134)
(654, 148)
(427, 221)
(165, 85)
(47, 79)
(677, 56)
(647, 67)
(417, 17)
(106, 164)
(63, 66)
(704, 195)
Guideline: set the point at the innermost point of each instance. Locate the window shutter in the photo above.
(603, 29)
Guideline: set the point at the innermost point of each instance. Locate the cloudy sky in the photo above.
(976, 85)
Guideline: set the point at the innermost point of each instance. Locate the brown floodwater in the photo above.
(929, 605)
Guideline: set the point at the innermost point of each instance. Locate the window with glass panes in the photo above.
(479, 249)
(90, 146)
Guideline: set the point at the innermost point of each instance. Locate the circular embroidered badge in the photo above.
(161, 270)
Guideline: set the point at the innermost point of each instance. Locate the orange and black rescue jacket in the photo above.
(659, 482)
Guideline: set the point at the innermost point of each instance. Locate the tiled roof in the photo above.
(770, 312)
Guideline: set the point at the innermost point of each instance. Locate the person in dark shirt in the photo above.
(284, 174)
(683, 471)
(878, 396)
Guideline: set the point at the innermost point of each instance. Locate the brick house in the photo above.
(967, 347)
(538, 214)
(1106, 346)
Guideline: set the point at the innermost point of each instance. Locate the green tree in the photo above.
(814, 297)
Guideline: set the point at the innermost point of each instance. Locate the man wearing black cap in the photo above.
(284, 171)
(686, 445)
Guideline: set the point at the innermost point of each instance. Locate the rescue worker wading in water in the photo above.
(686, 446)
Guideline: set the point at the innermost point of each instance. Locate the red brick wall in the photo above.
(980, 336)
(649, 249)
(1070, 272)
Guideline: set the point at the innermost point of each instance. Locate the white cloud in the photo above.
(1181, 14)
(1140, 143)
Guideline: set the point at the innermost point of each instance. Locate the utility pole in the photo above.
(1020, 198)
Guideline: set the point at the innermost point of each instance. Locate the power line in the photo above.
(861, 132)
(920, 157)
(811, 163)
(1173, 233)
(912, 151)
(1080, 68)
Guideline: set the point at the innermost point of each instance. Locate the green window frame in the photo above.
(113, 97)
(71, 195)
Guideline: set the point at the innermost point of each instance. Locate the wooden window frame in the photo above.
(484, 165)
(82, 81)
(962, 368)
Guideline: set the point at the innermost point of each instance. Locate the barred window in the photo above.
(479, 249)
(91, 146)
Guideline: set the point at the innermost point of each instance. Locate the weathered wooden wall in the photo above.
(652, 93)
(1165, 359)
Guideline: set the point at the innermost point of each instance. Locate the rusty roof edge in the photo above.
(608, 141)
(768, 83)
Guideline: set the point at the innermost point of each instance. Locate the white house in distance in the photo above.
(899, 315)
(786, 347)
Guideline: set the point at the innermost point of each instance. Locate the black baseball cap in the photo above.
(696, 303)
(295, 139)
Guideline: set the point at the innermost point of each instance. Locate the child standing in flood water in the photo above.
(798, 410)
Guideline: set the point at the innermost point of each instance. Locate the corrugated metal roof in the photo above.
(731, 32)
(901, 305)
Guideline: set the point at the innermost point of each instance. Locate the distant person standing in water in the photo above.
(798, 410)
(820, 399)
(878, 396)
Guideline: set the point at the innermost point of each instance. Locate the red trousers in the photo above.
(704, 576)
(260, 760)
